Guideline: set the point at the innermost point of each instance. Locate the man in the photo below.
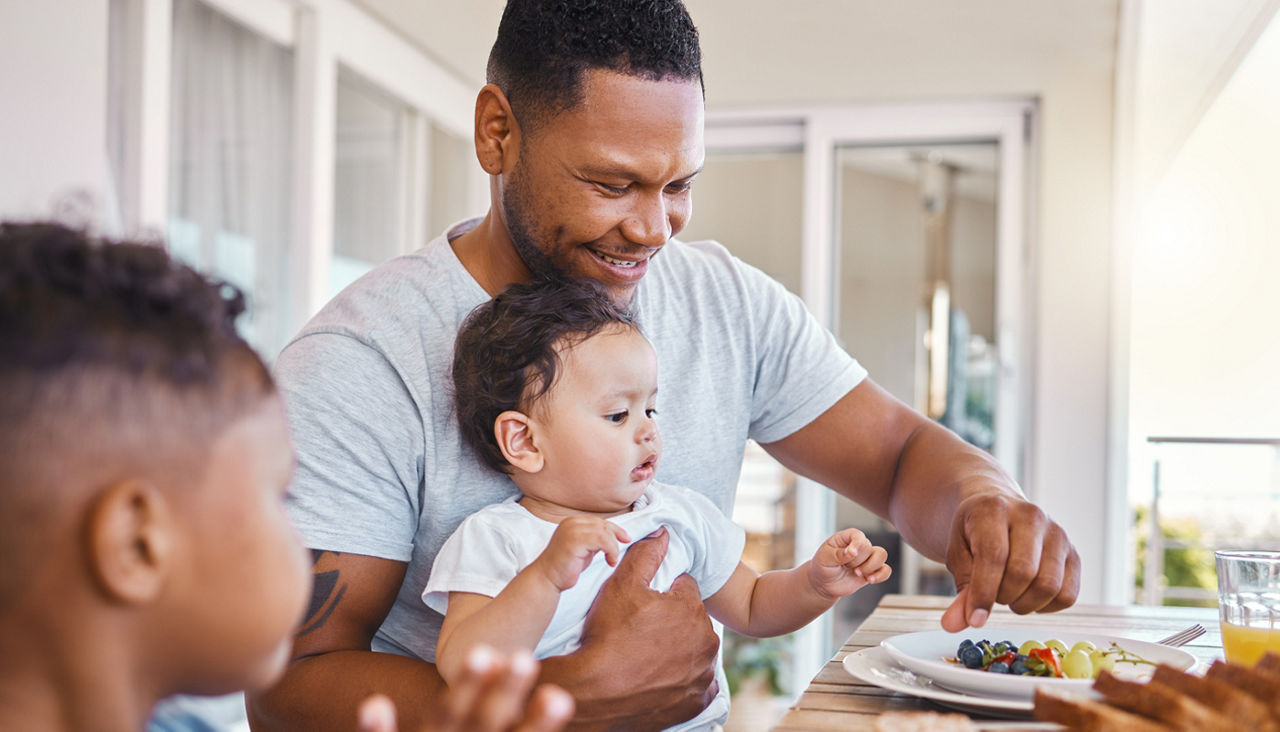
(591, 129)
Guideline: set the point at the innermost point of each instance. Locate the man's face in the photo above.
(598, 189)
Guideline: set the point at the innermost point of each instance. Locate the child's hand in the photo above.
(574, 544)
(847, 562)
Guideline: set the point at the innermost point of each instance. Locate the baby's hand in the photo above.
(847, 562)
(574, 544)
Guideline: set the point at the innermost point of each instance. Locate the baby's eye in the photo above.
(617, 417)
(650, 413)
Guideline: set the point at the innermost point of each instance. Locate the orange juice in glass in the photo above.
(1249, 604)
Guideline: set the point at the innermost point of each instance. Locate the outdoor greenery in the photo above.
(1184, 566)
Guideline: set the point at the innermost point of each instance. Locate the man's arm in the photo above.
(631, 672)
(949, 499)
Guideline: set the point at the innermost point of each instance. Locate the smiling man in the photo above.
(591, 130)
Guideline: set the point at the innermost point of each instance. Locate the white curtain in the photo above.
(368, 189)
(230, 160)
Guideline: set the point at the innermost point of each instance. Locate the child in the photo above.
(556, 386)
(144, 458)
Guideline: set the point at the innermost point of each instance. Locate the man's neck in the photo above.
(487, 254)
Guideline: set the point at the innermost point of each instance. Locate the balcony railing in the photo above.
(1229, 503)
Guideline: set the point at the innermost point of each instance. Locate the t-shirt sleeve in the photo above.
(719, 544)
(359, 441)
(801, 370)
(479, 557)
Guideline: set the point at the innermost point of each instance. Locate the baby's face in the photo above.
(596, 425)
(245, 579)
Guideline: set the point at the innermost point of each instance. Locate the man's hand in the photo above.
(492, 695)
(1006, 550)
(648, 658)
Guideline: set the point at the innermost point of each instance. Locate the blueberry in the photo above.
(970, 656)
(966, 643)
(1019, 668)
(999, 667)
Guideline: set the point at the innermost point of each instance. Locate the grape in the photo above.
(1027, 647)
(1058, 646)
(1102, 661)
(1076, 665)
(1085, 646)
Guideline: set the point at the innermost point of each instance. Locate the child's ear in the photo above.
(514, 431)
(130, 541)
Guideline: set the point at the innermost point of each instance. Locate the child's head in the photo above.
(145, 459)
(555, 385)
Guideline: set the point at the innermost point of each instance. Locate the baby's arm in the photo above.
(781, 601)
(518, 616)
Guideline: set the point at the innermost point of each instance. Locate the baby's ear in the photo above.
(514, 431)
(130, 541)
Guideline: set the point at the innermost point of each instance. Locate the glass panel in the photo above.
(230, 162)
(452, 161)
(367, 184)
(752, 202)
(916, 235)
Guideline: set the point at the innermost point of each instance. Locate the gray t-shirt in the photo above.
(382, 470)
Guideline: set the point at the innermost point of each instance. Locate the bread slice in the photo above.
(1270, 662)
(1241, 709)
(1161, 703)
(1086, 715)
(1261, 684)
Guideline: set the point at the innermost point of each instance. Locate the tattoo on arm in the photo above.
(326, 591)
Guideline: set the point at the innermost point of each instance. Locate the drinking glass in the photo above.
(1249, 604)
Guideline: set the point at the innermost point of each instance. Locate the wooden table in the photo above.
(836, 700)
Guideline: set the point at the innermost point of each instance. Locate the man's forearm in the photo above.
(322, 692)
(936, 472)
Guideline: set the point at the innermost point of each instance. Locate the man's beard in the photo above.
(519, 224)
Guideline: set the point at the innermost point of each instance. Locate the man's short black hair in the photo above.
(115, 361)
(506, 353)
(544, 47)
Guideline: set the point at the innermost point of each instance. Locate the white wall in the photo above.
(53, 83)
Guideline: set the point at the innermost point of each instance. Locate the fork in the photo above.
(1183, 637)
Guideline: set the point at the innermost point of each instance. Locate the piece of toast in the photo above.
(1162, 703)
(1261, 684)
(1270, 662)
(1241, 709)
(1087, 715)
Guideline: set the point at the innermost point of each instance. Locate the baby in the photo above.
(556, 386)
(144, 459)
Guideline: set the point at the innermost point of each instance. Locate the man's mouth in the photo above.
(624, 263)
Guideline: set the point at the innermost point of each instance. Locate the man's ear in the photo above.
(514, 431)
(497, 132)
(130, 541)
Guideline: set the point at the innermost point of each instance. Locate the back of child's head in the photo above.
(115, 361)
(506, 354)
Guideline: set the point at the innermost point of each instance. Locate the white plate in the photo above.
(924, 652)
(874, 666)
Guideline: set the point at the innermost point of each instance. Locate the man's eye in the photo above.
(680, 187)
(617, 417)
(615, 190)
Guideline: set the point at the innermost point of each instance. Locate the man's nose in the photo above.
(649, 222)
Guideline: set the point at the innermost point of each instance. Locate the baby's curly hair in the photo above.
(544, 47)
(506, 354)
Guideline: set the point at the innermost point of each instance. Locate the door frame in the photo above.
(818, 132)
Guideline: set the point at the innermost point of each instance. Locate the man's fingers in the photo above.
(1024, 566)
(1066, 597)
(502, 702)
(687, 587)
(954, 619)
(642, 559)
